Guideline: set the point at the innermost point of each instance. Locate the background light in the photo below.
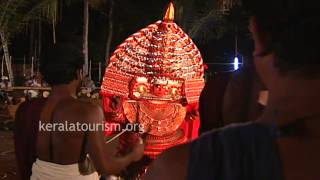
(236, 63)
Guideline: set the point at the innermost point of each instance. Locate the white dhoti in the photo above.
(42, 170)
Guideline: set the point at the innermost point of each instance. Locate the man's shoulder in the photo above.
(176, 159)
(80, 108)
(78, 103)
(246, 129)
(236, 129)
(89, 106)
(238, 135)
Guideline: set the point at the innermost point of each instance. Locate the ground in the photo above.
(8, 168)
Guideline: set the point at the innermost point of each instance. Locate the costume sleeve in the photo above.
(192, 122)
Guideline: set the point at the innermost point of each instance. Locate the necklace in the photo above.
(160, 120)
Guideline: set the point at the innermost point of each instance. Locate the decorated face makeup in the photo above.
(156, 88)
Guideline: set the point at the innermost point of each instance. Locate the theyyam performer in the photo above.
(154, 79)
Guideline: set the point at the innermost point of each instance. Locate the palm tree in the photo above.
(110, 31)
(16, 15)
(107, 9)
(3, 37)
(85, 36)
(85, 50)
(9, 24)
(224, 16)
(185, 13)
(5, 48)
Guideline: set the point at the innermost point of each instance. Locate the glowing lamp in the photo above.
(236, 63)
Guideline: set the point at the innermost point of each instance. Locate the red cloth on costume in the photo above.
(191, 128)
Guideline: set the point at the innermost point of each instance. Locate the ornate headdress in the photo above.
(159, 55)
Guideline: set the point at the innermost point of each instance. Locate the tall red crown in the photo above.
(161, 50)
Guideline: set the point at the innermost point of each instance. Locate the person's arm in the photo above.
(102, 156)
(20, 147)
(25, 135)
(171, 165)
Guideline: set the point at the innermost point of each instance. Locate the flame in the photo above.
(169, 16)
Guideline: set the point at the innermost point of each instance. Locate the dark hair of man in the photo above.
(59, 65)
(294, 28)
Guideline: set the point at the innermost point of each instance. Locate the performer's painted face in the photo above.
(159, 89)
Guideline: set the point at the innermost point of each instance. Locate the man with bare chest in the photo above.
(69, 141)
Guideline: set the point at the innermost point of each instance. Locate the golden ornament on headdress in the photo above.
(169, 16)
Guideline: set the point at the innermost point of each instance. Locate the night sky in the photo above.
(129, 16)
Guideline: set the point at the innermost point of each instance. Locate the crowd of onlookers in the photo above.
(10, 99)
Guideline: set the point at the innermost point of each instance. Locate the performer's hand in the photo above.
(115, 103)
(138, 150)
(112, 147)
(192, 112)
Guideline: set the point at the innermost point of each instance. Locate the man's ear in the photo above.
(261, 38)
(253, 25)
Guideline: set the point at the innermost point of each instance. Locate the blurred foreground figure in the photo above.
(155, 78)
(52, 135)
(231, 97)
(286, 55)
(211, 102)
